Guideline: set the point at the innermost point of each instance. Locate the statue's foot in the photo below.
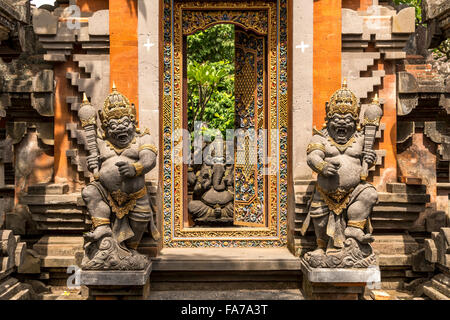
(98, 233)
(332, 251)
(359, 235)
(202, 218)
(368, 238)
(317, 252)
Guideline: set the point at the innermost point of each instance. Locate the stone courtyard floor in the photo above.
(288, 294)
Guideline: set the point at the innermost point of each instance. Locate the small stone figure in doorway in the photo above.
(341, 204)
(213, 192)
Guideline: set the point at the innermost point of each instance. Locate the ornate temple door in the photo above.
(195, 211)
(250, 101)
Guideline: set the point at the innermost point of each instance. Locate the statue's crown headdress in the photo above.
(343, 101)
(116, 106)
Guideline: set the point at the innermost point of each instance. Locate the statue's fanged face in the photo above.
(121, 131)
(341, 127)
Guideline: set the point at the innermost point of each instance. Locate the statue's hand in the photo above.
(126, 169)
(370, 157)
(92, 162)
(331, 168)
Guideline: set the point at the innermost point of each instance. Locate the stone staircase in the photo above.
(226, 273)
(61, 218)
(53, 208)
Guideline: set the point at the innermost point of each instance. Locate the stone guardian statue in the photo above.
(117, 200)
(341, 154)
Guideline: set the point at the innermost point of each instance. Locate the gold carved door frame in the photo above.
(267, 18)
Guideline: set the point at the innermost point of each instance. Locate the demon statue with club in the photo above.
(341, 204)
(117, 200)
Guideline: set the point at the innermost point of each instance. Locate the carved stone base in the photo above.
(117, 284)
(337, 283)
(106, 254)
(352, 255)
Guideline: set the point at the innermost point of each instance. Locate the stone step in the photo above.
(91, 57)
(301, 210)
(394, 216)
(403, 210)
(384, 198)
(9, 288)
(225, 270)
(441, 287)
(95, 45)
(54, 188)
(225, 259)
(398, 207)
(57, 261)
(395, 260)
(57, 218)
(395, 244)
(406, 188)
(49, 45)
(433, 293)
(22, 295)
(67, 226)
(50, 199)
(50, 296)
(403, 197)
(66, 246)
(242, 294)
(388, 245)
(391, 224)
(58, 209)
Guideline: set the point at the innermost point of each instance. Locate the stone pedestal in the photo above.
(337, 283)
(117, 284)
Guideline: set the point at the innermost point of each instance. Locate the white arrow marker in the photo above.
(302, 46)
(148, 45)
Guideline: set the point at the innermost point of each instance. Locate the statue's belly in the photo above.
(213, 197)
(112, 180)
(348, 175)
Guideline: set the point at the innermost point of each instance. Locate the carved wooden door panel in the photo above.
(250, 100)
